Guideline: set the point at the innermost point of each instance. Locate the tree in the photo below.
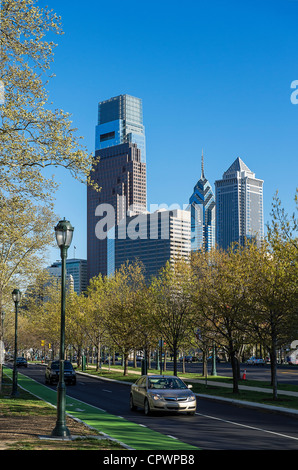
(33, 136)
(125, 306)
(26, 231)
(41, 306)
(96, 306)
(172, 307)
(283, 227)
(76, 318)
(273, 304)
(222, 286)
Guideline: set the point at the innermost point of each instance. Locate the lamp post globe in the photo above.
(16, 295)
(64, 233)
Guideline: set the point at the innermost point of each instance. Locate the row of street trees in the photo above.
(231, 299)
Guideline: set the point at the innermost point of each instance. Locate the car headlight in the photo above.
(156, 396)
(191, 398)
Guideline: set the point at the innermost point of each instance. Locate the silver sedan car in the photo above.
(162, 393)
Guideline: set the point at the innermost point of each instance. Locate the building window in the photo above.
(108, 136)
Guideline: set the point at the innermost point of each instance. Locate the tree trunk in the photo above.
(125, 364)
(98, 362)
(235, 371)
(175, 360)
(205, 366)
(273, 360)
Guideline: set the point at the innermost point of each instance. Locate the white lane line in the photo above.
(248, 427)
(109, 391)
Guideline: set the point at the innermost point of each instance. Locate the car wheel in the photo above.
(147, 407)
(131, 403)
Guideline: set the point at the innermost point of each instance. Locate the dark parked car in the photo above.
(21, 362)
(186, 358)
(52, 373)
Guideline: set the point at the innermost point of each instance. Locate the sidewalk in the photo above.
(276, 409)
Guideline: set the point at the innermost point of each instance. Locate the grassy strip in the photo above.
(27, 415)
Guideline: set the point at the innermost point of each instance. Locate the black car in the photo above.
(52, 373)
(21, 362)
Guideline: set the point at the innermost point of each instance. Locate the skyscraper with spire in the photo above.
(239, 206)
(202, 206)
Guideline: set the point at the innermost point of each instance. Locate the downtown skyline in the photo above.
(217, 82)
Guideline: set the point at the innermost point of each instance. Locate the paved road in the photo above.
(216, 426)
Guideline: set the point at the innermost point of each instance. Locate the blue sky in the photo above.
(212, 74)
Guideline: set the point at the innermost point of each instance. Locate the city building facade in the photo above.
(202, 207)
(239, 206)
(120, 173)
(151, 239)
(55, 271)
(77, 269)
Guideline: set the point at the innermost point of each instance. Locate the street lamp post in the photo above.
(16, 297)
(64, 233)
(2, 353)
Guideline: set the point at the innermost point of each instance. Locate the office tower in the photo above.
(77, 269)
(202, 207)
(120, 173)
(55, 271)
(239, 206)
(150, 238)
(120, 120)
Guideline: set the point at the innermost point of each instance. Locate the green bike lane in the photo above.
(132, 435)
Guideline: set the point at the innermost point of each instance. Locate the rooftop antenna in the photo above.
(202, 171)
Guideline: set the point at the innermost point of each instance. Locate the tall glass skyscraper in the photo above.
(120, 120)
(202, 206)
(120, 173)
(239, 206)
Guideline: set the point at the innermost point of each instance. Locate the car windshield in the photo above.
(164, 383)
(67, 365)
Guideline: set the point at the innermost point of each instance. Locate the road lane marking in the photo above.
(249, 427)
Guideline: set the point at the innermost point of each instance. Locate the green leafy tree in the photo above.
(220, 292)
(273, 306)
(33, 135)
(124, 307)
(96, 303)
(282, 226)
(172, 308)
